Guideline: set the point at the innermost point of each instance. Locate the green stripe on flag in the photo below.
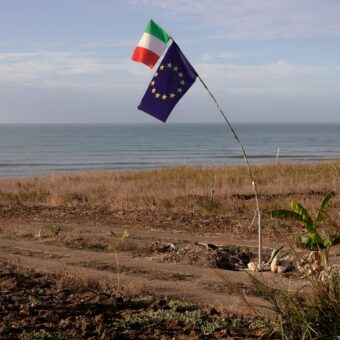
(157, 31)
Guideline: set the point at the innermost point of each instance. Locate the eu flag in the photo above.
(171, 81)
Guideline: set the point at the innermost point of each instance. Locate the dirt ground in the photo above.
(38, 306)
(123, 254)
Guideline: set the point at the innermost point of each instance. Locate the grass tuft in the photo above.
(297, 314)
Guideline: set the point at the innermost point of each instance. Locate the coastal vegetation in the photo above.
(209, 191)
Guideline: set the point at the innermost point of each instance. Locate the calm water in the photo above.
(38, 149)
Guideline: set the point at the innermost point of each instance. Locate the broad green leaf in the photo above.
(302, 241)
(326, 242)
(313, 245)
(317, 239)
(285, 215)
(307, 242)
(325, 203)
(302, 211)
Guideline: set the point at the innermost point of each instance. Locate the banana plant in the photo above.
(313, 241)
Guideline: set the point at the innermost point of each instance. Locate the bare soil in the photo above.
(80, 283)
(35, 306)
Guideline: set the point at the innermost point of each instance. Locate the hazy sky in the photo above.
(265, 60)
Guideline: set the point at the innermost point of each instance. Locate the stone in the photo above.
(281, 269)
(252, 266)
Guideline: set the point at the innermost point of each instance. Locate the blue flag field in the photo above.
(171, 81)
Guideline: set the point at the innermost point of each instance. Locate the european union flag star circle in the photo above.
(171, 81)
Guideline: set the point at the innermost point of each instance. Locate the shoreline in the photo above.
(61, 173)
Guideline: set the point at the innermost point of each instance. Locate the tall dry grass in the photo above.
(298, 314)
(206, 189)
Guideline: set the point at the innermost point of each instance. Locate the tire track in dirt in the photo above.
(199, 284)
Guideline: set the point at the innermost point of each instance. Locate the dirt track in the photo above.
(92, 252)
(89, 284)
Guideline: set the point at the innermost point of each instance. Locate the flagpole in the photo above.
(250, 173)
(248, 167)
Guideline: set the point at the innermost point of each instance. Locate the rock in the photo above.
(282, 265)
(310, 264)
(287, 265)
(281, 269)
(163, 247)
(253, 266)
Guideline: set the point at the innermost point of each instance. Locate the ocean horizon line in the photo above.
(168, 123)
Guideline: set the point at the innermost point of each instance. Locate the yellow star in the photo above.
(179, 90)
(153, 90)
(172, 95)
(182, 82)
(169, 65)
(161, 67)
(153, 83)
(164, 97)
(157, 95)
(175, 68)
(180, 74)
(156, 74)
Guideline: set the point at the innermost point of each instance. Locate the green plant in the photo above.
(296, 314)
(55, 230)
(120, 237)
(313, 241)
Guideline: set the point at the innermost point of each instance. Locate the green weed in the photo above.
(313, 241)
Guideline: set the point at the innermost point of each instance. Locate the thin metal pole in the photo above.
(253, 183)
(248, 167)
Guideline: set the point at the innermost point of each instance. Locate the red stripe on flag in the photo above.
(145, 56)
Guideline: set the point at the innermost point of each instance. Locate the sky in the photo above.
(64, 61)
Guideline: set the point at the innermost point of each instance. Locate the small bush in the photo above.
(210, 204)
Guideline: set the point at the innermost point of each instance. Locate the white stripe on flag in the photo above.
(152, 43)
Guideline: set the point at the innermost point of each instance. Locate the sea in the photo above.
(40, 149)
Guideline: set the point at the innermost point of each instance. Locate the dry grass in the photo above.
(81, 279)
(126, 189)
(297, 314)
(218, 191)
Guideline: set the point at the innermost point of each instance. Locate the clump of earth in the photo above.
(211, 255)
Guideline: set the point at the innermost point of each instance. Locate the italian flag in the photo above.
(151, 46)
